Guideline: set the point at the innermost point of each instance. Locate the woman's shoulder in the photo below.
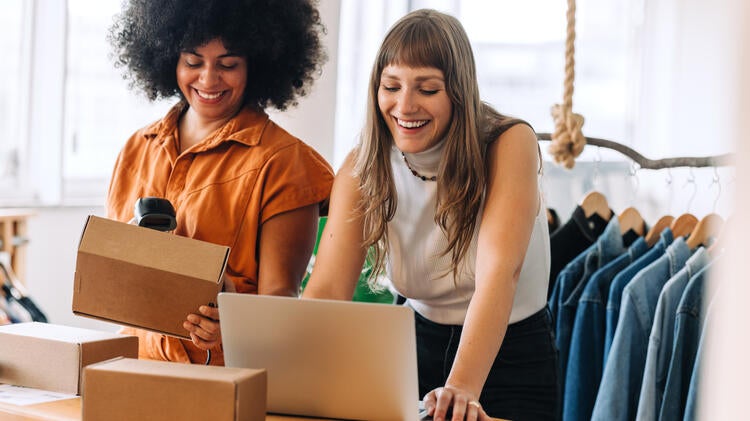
(516, 142)
(516, 128)
(274, 150)
(267, 138)
(508, 127)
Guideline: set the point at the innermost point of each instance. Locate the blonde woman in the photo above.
(445, 191)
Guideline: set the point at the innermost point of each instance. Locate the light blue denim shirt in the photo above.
(608, 246)
(662, 337)
(687, 330)
(585, 360)
(620, 388)
(691, 410)
(623, 278)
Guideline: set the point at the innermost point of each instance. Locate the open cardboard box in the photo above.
(144, 278)
(131, 389)
(52, 357)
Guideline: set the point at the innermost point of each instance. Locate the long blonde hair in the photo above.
(427, 38)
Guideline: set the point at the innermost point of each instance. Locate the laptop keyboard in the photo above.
(423, 412)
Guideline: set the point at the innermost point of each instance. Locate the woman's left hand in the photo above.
(204, 328)
(465, 406)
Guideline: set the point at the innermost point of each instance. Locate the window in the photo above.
(65, 110)
(519, 57)
(13, 105)
(520, 61)
(100, 111)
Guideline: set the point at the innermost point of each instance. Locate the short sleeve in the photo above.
(293, 177)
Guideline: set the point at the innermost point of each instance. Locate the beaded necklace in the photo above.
(416, 174)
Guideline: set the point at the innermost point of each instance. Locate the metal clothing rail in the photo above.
(654, 164)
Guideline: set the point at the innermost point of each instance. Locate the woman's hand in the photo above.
(204, 328)
(464, 404)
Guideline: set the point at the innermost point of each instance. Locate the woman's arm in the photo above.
(285, 245)
(341, 254)
(511, 204)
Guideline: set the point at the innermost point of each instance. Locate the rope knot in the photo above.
(567, 139)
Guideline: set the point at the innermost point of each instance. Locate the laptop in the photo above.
(326, 358)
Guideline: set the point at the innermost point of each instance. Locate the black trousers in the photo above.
(523, 383)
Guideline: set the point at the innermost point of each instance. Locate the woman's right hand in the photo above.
(464, 405)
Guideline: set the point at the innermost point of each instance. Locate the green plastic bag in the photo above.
(362, 292)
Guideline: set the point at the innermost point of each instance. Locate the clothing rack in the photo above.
(654, 164)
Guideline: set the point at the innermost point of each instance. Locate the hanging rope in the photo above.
(567, 139)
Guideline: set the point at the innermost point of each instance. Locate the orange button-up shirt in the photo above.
(223, 189)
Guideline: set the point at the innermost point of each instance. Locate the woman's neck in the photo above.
(193, 128)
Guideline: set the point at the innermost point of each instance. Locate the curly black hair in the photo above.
(280, 39)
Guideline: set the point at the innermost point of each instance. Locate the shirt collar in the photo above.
(246, 127)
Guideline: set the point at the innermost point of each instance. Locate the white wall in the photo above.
(313, 120)
(54, 234)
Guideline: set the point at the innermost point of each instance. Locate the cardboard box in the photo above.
(144, 278)
(129, 389)
(52, 357)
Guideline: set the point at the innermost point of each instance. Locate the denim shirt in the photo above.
(585, 361)
(688, 327)
(608, 246)
(691, 411)
(573, 270)
(662, 337)
(623, 374)
(623, 278)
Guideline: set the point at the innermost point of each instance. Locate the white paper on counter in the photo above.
(21, 396)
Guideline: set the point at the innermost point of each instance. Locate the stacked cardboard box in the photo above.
(52, 357)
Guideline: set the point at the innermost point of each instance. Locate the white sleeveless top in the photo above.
(415, 267)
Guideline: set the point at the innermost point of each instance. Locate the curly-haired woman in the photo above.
(233, 175)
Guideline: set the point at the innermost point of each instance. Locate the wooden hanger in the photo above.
(683, 224)
(706, 229)
(631, 219)
(652, 236)
(595, 203)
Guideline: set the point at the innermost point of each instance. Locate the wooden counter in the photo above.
(70, 410)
